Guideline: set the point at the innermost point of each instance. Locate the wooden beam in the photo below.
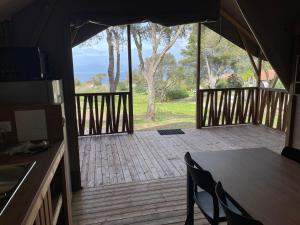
(238, 26)
(130, 101)
(199, 105)
(259, 69)
(256, 68)
(263, 24)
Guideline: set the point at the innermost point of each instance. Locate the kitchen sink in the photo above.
(11, 178)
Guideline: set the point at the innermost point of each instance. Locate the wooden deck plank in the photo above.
(98, 173)
(147, 155)
(92, 163)
(129, 160)
(123, 162)
(140, 178)
(150, 157)
(152, 202)
(85, 161)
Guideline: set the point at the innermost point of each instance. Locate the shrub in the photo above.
(140, 89)
(222, 83)
(176, 94)
(234, 81)
(122, 86)
(77, 82)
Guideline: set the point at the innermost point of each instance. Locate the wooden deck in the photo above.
(123, 158)
(139, 179)
(155, 202)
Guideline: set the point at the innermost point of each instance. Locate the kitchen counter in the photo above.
(25, 204)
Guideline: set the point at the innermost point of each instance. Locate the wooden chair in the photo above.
(206, 199)
(291, 153)
(235, 214)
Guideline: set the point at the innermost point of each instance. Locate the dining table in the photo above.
(264, 183)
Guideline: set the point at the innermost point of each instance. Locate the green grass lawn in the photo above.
(172, 114)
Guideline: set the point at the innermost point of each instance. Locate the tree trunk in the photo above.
(155, 61)
(210, 78)
(151, 95)
(117, 46)
(111, 60)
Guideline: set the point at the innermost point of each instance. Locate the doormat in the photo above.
(170, 132)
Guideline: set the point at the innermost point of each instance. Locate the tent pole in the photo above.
(130, 97)
(199, 105)
(258, 81)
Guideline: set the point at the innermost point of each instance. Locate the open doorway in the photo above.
(163, 76)
(163, 70)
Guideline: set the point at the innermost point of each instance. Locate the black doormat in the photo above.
(170, 131)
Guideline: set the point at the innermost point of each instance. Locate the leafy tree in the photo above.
(167, 76)
(115, 39)
(188, 63)
(77, 82)
(161, 40)
(139, 82)
(218, 56)
(97, 79)
(234, 81)
(249, 77)
(222, 83)
(123, 85)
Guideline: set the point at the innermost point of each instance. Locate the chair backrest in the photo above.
(233, 218)
(188, 159)
(200, 177)
(291, 153)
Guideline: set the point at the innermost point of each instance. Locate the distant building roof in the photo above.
(266, 75)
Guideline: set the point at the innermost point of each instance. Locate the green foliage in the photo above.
(142, 89)
(139, 82)
(176, 94)
(77, 82)
(248, 75)
(122, 86)
(232, 81)
(97, 79)
(222, 83)
(218, 56)
(279, 85)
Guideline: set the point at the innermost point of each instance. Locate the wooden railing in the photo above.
(232, 106)
(227, 106)
(273, 108)
(103, 113)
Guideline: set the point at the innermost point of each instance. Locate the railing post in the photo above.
(130, 96)
(256, 107)
(257, 102)
(199, 104)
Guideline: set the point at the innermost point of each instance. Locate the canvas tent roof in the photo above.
(89, 22)
(269, 22)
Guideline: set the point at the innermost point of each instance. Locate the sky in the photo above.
(92, 59)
